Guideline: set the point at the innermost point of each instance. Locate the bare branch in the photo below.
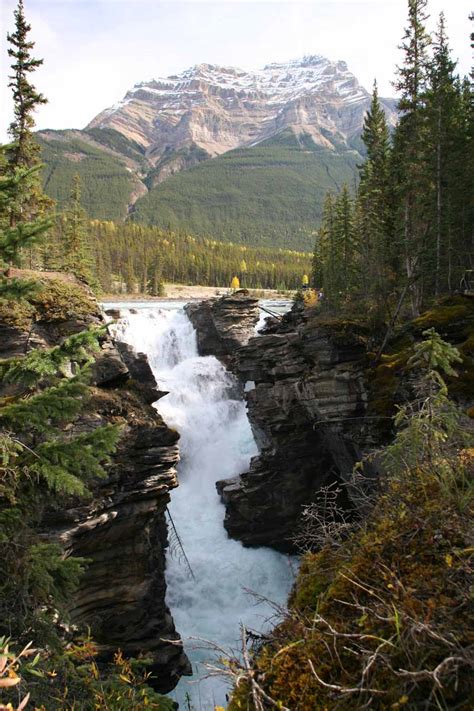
(342, 689)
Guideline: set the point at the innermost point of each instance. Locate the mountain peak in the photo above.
(218, 108)
(308, 60)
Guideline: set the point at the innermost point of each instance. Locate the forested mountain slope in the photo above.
(107, 163)
(268, 195)
(278, 139)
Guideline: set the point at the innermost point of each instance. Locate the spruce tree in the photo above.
(129, 276)
(322, 263)
(442, 101)
(375, 136)
(23, 154)
(26, 98)
(16, 237)
(334, 263)
(410, 159)
(374, 205)
(155, 286)
(344, 247)
(39, 458)
(460, 200)
(77, 253)
(24, 151)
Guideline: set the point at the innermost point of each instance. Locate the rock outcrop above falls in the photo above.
(306, 409)
(121, 530)
(225, 324)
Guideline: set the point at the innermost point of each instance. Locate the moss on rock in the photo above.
(389, 382)
(58, 300)
(54, 300)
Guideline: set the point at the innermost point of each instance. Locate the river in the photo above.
(205, 406)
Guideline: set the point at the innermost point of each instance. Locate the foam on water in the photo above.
(216, 442)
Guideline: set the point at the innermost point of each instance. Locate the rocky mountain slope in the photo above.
(295, 126)
(222, 108)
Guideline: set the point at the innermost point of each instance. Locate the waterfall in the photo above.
(216, 442)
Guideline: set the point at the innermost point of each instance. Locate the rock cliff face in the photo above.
(223, 325)
(306, 397)
(305, 407)
(122, 529)
(123, 532)
(219, 108)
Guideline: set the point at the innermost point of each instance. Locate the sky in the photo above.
(95, 50)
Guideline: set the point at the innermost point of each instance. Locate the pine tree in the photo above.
(374, 205)
(24, 152)
(38, 458)
(334, 263)
(430, 425)
(344, 243)
(26, 99)
(442, 100)
(375, 136)
(129, 276)
(18, 236)
(322, 274)
(77, 253)
(339, 264)
(410, 161)
(40, 464)
(155, 285)
(459, 198)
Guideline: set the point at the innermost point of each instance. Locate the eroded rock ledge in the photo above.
(121, 530)
(306, 403)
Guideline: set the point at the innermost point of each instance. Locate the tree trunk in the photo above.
(438, 205)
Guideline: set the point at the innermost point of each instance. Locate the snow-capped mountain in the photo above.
(217, 109)
(296, 126)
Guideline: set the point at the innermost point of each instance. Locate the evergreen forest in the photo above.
(131, 258)
(406, 235)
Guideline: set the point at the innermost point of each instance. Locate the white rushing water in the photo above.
(216, 442)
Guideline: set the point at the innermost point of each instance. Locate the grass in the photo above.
(369, 622)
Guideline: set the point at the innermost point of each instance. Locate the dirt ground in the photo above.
(183, 291)
(172, 291)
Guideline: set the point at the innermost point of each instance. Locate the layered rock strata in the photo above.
(121, 530)
(209, 109)
(224, 324)
(306, 401)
